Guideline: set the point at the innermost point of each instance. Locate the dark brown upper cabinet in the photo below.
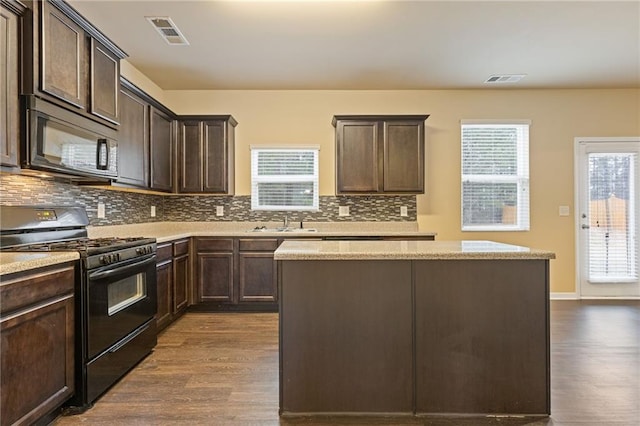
(379, 154)
(146, 138)
(62, 56)
(70, 62)
(105, 82)
(161, 142)
(10, 16)
(206, 154)
(133, 140)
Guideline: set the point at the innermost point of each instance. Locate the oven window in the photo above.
(126, 292)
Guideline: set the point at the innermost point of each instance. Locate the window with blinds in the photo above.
(613, 251)
(284, 179)
(495, 176)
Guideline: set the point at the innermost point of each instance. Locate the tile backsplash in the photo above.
(124, 207)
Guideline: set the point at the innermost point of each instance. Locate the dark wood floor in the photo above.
(222, 369)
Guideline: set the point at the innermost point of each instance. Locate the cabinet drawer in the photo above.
(163, 252)
(180, 248)
(258, 245)
(30, 289)
(214, 244)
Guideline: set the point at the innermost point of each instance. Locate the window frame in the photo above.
(521, 178)
(257, 179)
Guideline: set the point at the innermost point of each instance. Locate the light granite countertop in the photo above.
(11, 262)
(405, 250)
(167, 231)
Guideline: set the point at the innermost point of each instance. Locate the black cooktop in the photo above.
(88, 246)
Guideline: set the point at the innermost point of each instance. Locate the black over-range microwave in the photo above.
(60, 141)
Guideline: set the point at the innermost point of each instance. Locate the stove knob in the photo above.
(103, 260)
(139, 251)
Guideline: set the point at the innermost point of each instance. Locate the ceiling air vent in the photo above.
(505, 78)
(168, 30)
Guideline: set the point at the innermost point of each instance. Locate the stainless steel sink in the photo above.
(287, 230)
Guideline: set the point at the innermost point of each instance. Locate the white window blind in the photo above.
(495, 176)
(613, 249)
(284, 179)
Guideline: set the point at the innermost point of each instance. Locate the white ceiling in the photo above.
(378, 44)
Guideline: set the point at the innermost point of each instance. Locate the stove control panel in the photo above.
(109, 258)
(144, 250)
(116, 256)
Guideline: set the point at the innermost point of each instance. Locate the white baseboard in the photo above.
(611, 297)
(564, 296)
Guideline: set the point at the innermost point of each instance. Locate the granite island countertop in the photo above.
(405, 250)
(11, 262)
(167, 231)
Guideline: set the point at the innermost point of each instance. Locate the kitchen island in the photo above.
(413, 327)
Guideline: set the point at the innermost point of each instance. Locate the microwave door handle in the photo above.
(102, 155)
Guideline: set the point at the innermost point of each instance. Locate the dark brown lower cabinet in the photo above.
(164, 275)
(215, 273)
(37, 348)
(181, 275)
(172, 272)
(257, 280)
(236, 274)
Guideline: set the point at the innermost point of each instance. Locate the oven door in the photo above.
(121, 297)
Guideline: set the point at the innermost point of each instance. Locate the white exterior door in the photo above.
(608, 207)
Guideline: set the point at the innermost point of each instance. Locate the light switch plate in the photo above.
(153, 211)
(343, 210)
(101, 211)
(563, 210)
(219, 210)
(403, 211)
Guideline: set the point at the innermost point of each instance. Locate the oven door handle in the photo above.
(107, 272)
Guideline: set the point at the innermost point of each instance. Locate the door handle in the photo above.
(102, 155)
(585, 227)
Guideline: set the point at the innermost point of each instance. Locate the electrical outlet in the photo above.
(343, 210)
(219, 210)
(403, 211)
(153, 211)
(563, 211)
(101, 211)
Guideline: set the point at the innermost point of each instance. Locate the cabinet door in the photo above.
(357, 157)
(133, 141)
(164, 280)
(37, 352)
(62, 62)
(216, 156)
(190, 157)
(105, 82)
(403, 157)
(257, 277)
(215, 277)
(180, 284)
(161, 139)
(9, 116)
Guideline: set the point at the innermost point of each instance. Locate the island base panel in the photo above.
(346, 337)
(482, 336)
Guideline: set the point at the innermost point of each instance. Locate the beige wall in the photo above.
(557, 116)
(134, 75)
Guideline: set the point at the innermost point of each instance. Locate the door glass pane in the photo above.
(612, 217)
(126, 292)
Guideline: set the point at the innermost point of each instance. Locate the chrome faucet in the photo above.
(285, 222)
